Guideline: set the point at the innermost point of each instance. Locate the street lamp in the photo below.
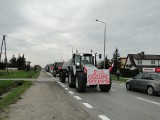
(104, 39)
(72, 49)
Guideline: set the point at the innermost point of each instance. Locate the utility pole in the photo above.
(4, 42)
(104, 40)
(72, 49)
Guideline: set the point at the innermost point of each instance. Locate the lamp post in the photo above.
(104, 38)
(72, 49)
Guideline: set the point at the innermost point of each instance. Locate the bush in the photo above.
(128, 73)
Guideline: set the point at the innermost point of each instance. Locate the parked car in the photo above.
(149, 82)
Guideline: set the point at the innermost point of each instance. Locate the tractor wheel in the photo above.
(71, 79)
(63, 77)
(60, 76)
(54, 73)
(105, 88)
(80, 82)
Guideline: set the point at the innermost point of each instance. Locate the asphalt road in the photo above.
(118, 104)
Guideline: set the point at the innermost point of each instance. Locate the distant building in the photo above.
(123, 61)
(142, 60)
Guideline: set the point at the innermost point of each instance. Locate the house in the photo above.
(142, 60)
(123, 61)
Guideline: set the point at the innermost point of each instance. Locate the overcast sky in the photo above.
(43, 29)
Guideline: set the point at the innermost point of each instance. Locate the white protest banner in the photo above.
(100, 76)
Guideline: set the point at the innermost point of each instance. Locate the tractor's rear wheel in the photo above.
(80, 82)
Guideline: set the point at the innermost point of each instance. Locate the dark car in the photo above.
(57, 67)
(149, 82)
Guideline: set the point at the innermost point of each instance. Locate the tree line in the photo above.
(19, 62)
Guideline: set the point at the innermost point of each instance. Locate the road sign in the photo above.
(151, 70)
(148, 69)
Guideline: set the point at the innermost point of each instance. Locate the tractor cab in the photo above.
(79, 59)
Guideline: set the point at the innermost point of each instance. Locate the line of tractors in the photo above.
(80, 71)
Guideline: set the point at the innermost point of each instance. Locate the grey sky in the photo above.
(42, 29)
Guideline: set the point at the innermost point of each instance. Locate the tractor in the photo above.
(81, 72)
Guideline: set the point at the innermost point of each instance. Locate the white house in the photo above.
(142, 60)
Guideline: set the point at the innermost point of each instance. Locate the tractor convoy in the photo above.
(81, 72)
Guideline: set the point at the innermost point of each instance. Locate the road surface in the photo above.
(49, 99)
(118, 104)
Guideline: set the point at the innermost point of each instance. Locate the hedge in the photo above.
(128, 72)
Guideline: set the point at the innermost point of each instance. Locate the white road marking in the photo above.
(62, 85)
(58, 82)
(114, 83)
(148, 101)
(78, 98)
(87, 105)
(103, 117)
(71, 92)
(113, 90)
(66, 88)
(121, 84)
(49, 74)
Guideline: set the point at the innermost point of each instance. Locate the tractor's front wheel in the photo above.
(80, 82)
(71, 79)
(54, 73)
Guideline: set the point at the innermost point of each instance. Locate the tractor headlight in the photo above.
(77, 64)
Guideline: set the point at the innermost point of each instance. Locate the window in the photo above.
(152, 62)
(139, 76)
(155, 76)
(59, 64)
(146, 76)
(77, 59)
(86, 59)
(139, 62)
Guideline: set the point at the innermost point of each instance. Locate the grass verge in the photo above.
(19, 74)
(7, 85)
(121, 79)
(14, 95)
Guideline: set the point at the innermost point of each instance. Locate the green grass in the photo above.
(19, 74)
(121, 79)
(14, 95)
(7, 85)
